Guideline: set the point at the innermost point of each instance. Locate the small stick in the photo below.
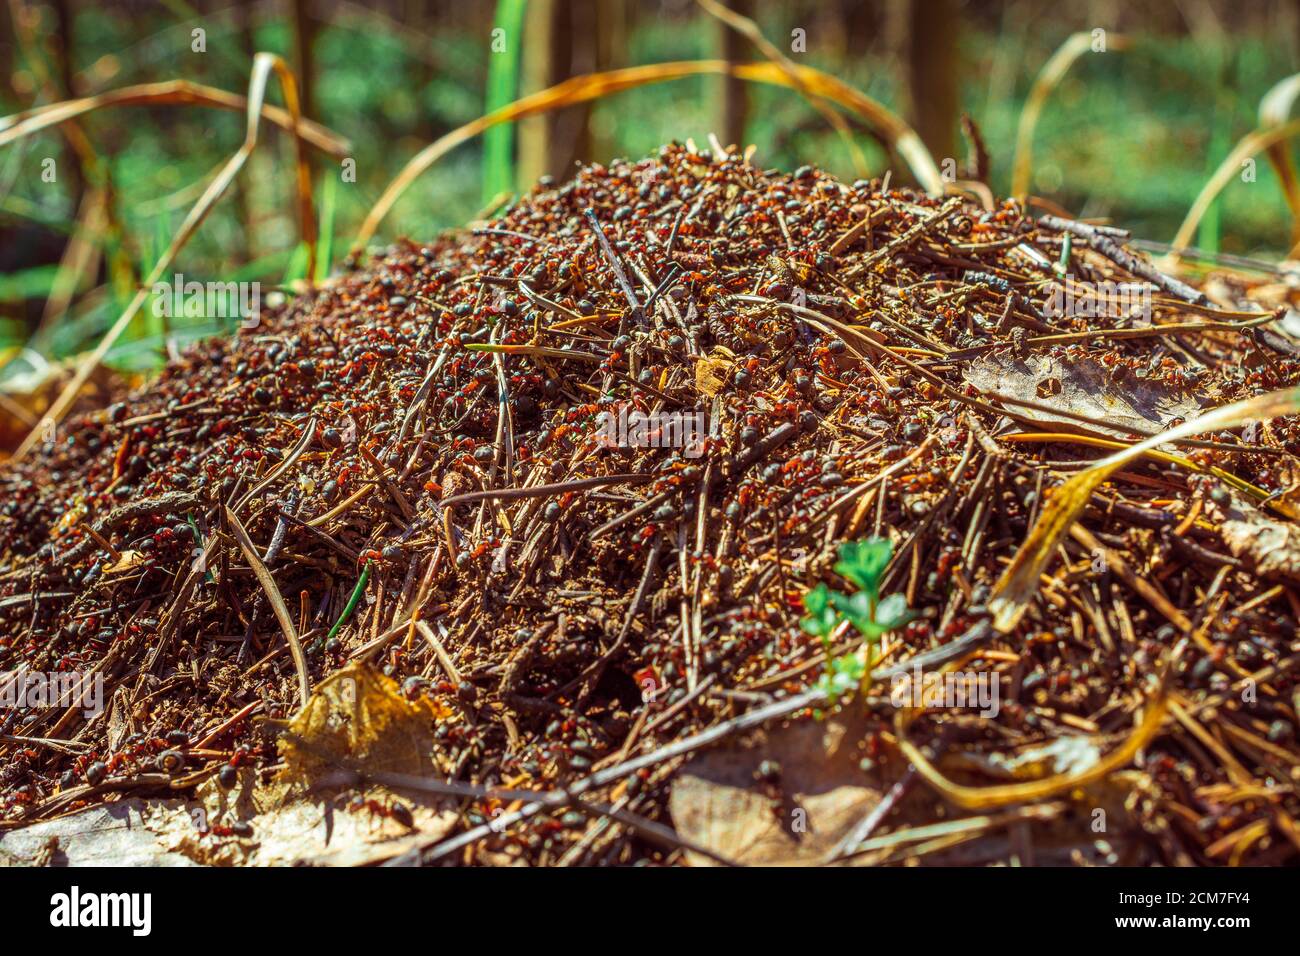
(1082, 229)
(537, 240)
(909, 237)
(396, 493)
(614, 263)
(849, 237)
(277, 603)
(543, 491)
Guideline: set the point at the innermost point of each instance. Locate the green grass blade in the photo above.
(502, 88)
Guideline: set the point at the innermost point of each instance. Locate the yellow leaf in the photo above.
(358, 717)
(711, 375)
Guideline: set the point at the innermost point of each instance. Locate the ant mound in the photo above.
(678, 450)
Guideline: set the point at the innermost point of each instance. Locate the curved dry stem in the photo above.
(79, 260)
(986, 798)
(168, 93)
(884, 121)
(749, 29)
(1019, 582)
(591, 86)
(1048, 78)
(1249, 145)
(276, 599)
(1274, 108)
(263, 64)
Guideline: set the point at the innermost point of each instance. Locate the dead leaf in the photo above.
(110, 834)
(359, 718)
(314, 811)
(821, 794)
(1270, 545)
(1082, 387)
(711, 374)
(357, 715)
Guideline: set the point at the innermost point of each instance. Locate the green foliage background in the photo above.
(1129, 134)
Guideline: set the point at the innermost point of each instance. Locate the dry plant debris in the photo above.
(409, 471)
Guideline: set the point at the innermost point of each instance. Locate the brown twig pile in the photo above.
(415, 466)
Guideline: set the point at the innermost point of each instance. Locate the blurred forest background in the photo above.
(1132, 134)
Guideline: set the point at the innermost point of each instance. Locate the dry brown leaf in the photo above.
(822, 793)
(1081, 387)
(711, 375)
(1270, 545)
(357, 716)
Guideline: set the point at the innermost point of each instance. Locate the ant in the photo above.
(393, 811)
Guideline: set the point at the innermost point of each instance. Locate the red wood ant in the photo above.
(392, 811)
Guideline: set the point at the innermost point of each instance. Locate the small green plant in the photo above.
(863, 564)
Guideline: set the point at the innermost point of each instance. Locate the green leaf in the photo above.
(325, 249)
(821, 619)
(857, 604)
(843, 675)
(863, 562)
(859, 609)
(821, 626)
(297, 268)
(33, 283)
(870, 629)
(892, 612)
(817, 600)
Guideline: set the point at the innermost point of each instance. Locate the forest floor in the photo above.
(686, 512)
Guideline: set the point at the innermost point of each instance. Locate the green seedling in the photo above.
(863, 564)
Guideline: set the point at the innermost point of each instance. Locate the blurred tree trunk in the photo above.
(932, 71)
(861, 25)
(423, 17)
(8, 50)
(538, 71)
(612, 32)
(734, 100)
(304, 60)
(63, 71)
(243, 184)
(561, 39)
